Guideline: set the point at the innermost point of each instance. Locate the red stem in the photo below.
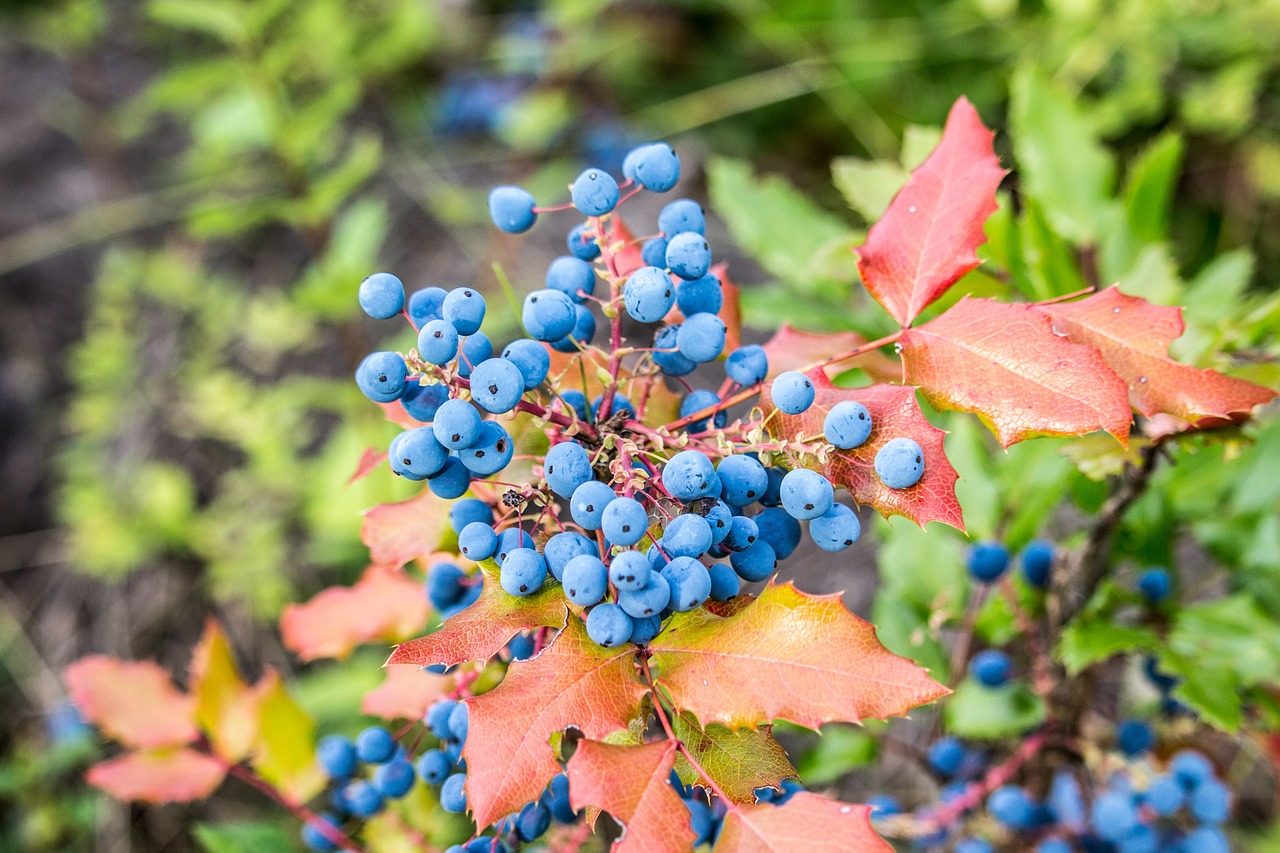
(302, 813)
(994, 778)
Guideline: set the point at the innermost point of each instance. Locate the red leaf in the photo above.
(160, 776)
(574, 683)
(894, 413)
(927, 238)
(406, 693)
(398, 416)
(805, 822)
(1004, 363)
(480, 631)
(384, 605)
(370, 460)
(134, 702)
(788, 656)
(1134, 337)
(396, 533)
(793, 349)
(632, 783)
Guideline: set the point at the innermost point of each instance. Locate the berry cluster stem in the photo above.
(302, 813)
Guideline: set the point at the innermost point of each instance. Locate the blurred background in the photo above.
(190, 191)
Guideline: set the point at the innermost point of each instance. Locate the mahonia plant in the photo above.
(614, 639)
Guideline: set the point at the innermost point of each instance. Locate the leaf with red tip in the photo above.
(396, 533)
(158, 776)
(384, 605)
(134, 702)
(1004, 363)
(793, 349)
(369, 462)
(483, 629)
(406, 693)
(573, 683)
(737, 760)
(788, 656)
(805, 822)
(1134, 337)
(928, 237)
(632, 783)
(895, 413)
(226, 707)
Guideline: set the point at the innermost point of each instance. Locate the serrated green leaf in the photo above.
(989, 713)
(243, 837)
(1148, 191)
(839, 750)
(1088, 641)
(867, 185)
(739, 760)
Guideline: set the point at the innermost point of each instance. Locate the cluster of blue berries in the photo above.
(355, 796)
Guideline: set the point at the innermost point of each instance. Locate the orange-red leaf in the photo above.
(134, 702)
(793, 349)
(1004, 363)
(370, 460)
(397, 415)
(927, 238)
(632, 783)
(480, 631)
(787, 656)
(805, 822)
(574, 683)
(406, 693)
(1134, 337)
(895, 413)
(158, 776)
(384, 604)
(226, 707)
(396, 533)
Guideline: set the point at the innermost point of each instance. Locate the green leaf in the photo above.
(739, 760)
(989, 713)
(285, 752)
(243, 837)
(839, 750)
(1148, 191)
(867, 185)
(217, 18)
(922, 568)
(1062, 164)
(1088, 641)
(904, 630)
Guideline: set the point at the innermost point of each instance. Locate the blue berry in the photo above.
(583, 247)
(688, 475)
(381, 376)
(566, 467)
(608, 625)
(689, 582)
(1154, 585)
(649, 600)
(687, 535)
(725, 583)
(973, 845)
(701, 338)
(620, 404)
(648, 294)
(883, 805)
(655, 167)
(836, 529)
(1037, 560)
(747, 365)
(1134, 737)
(792, 392)
(497, 385)
(522, 646)
(584, 330)
(451, 481)
(1191, 768)
(946, 756)
(523, 572)
(460, 722)
(509, 540)
(625, 521)
(433, 767)
(563, 547)
(900, 463)
(478, 541)
(645, 629)
(337, 756)
(445, 585)
(1206, 839)
(629, 571)
(313, 838)
(696, 401)
(667, 354)
(548, 315)
(1113, 816)
(382, 296)
(991, 667)
(1164, 795)
(375, 745)
(1066, 803)
(742, 533)
(1011, 806)
(588, 504)
(654, 252)
(416, 454)
(988, 561)
(594, 193)
(1054, 845)
(511, 209)
(586, 580)
(456, 425)
(490, 452)
(531, 359)
(773, 492)
(437, 718)
(701, 821)
(806, 494)
(683, 214)
(438, 342)
(533, 822)
(718, 515)
(424, 305)
(847, 425)
(473, 350)
(1211, 802)
(464, 308)
(423, 401)
(394, 779)
(573, 277)
(688, 255)
(453, 795)
(700, 296)
(755, 562)
(777, 527)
